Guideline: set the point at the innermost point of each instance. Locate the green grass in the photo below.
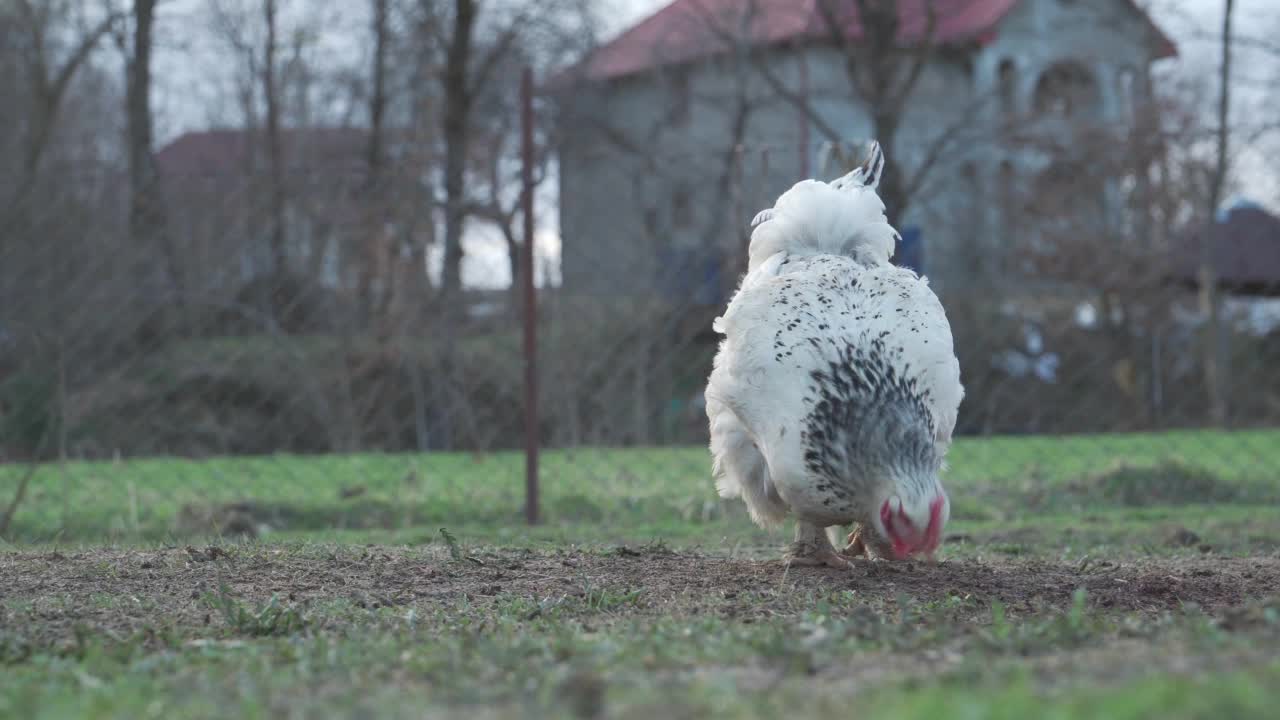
(94, 637)
(1240, 694)
(602, 494)
(462, 660)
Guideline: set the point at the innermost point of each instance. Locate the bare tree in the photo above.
(884, 59)
(275, 151)
(464, 76)
(1210, 304)
(885, 55)
(499, 205)
(371, 249)
(458, 95)
(482, 55)
(257, 35)
(883, 73)
(49, 78)
(147, 215)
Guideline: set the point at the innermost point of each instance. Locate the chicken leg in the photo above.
(811, 547)
(857, 547)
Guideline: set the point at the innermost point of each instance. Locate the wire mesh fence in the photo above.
(221, 335)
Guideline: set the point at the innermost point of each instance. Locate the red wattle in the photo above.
(932, 536)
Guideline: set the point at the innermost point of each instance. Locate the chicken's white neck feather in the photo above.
(814, 217)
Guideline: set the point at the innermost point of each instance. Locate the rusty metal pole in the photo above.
(530, 307)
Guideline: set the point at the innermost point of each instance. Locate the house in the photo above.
(685, 125)
(1244, 256)
(216, 185)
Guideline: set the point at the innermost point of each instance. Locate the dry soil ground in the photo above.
(126, 590)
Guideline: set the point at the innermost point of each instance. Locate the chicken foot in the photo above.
(811, 547)
(857, 547)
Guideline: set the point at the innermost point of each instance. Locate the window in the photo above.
(681, 208)
(1008, 198)
(1007, 77)
(972, 204)
(1006, 181)
(1126, 91)
(909, 252)
(651, 221)
(679, 98)
(1066, 90)
(1069, 200)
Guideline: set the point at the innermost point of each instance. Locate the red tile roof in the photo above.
(688, 30)
(215, 169)
(226, 152)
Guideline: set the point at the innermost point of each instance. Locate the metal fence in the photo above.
(189, 342)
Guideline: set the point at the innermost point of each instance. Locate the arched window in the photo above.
(680, 98)
(1007, 190)
(1007, 76)
(681, 207)
(1126, 89)
(972, 205)
(1007, 199)
(1066, 89)
(1069, 198)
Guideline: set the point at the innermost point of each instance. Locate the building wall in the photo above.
(631, 217)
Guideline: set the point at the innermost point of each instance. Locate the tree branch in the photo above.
(936, 148)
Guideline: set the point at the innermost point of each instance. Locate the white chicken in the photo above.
(836, 387)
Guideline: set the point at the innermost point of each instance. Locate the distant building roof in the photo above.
(688, 30)
(1246, 256)
(227, 152)
(218, 169)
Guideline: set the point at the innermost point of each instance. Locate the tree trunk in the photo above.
(884, 76)
(515, 262)
(375, 202)
(457, 116)
(1210, 303)
(378, 102)
(147, 217)
(892, 189)
(49, 90)
(275, 161)
(419, 235)
(457, 112)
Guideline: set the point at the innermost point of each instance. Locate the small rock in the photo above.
(213, 552)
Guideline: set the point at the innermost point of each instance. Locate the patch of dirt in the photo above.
(47, 594)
